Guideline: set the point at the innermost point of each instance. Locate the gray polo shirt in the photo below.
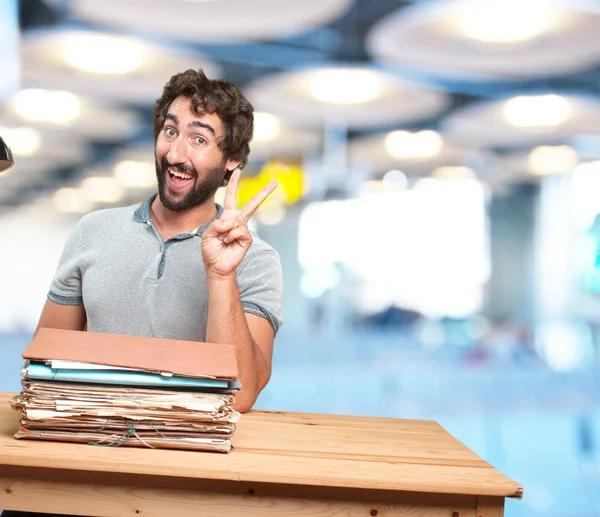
(130, 282)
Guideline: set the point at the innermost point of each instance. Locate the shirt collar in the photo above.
(142, 215)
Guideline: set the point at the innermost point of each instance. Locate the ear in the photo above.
(232, 164)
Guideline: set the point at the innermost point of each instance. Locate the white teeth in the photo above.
(180, 175)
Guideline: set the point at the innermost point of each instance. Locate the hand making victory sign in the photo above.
(226, 241)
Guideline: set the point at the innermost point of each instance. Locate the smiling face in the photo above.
(189, 164)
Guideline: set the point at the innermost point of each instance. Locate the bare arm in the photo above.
(65, 317)
(252, 335)
(224, 245)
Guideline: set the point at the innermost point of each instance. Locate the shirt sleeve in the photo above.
(65, 288)
(261, 287)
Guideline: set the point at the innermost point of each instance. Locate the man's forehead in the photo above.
(182, 108)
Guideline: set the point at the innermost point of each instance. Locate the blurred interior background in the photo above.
(438, 219)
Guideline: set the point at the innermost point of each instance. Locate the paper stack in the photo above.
(112, 390)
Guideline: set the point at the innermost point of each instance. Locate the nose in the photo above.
(176, 154)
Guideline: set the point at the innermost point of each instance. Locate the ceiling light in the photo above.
(537, 111)
(266, 126)
(71, 200)
(413, 146)
(134, 174)
(102, 189)
(103, 54)
(503, 21)
(454, 173)
(552, 159)
(345, 86)
(46, 105)
(396, 179)
(23, 141)
(271, 212)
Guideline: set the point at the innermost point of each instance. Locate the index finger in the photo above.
(256, 201)
(231, 191)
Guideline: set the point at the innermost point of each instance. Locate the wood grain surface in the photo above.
(292, 449)
(83, 498)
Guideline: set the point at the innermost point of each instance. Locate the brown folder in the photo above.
(186, 358)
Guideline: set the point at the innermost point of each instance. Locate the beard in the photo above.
(203, 187)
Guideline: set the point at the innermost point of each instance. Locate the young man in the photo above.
(179, 266)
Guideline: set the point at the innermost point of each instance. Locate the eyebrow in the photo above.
(195, 123)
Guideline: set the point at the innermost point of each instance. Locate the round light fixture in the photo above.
(266, 126)
(135, 174)
(100, 189)
(71, 200)
(454, 173)
(102, 54)
(344, 86)
(552, 159)
(506, 21)
(537, 111)
(23, 141)
(396, 178)
(46, 105)
(270, 213)
(413, 146)
(353, 96)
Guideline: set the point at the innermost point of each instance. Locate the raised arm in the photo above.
(224, 245)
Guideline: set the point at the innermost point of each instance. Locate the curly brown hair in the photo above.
(212, 96)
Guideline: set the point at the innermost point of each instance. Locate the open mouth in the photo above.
(178, 179)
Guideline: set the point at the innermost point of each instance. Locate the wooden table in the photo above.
(283, 464)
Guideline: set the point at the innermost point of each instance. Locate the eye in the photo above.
(169, 131)
(200, 140)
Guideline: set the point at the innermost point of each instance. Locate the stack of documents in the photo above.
(111, 390)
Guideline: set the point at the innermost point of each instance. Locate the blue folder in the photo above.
(40, 371)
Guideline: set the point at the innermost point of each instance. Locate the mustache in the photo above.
(181, 168)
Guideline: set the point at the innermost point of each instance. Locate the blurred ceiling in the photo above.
(410, 85)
